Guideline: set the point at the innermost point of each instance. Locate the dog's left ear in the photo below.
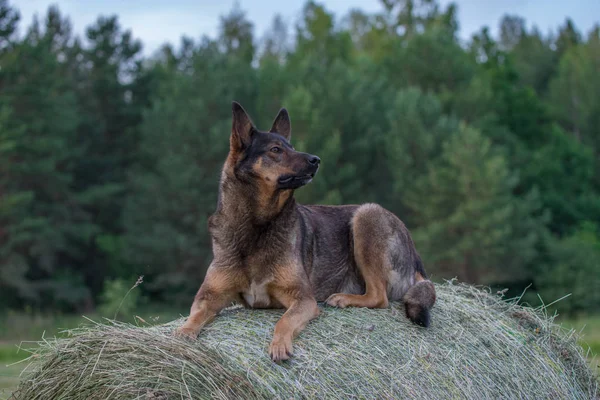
(282, 124)
(242, 128)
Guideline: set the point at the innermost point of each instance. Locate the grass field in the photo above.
(590, 330)
(17, 328)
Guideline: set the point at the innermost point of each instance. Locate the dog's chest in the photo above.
(256, 295)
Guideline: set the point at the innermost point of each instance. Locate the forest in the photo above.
(487, 148)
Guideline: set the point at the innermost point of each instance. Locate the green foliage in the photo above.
(534, 59)
(417, 130)
(468, 217)
(119, 298)
(563, 170)
(9, 18)
(174, 185)
(574, 91)
(109, 160)
(45, 223)
(574, 270)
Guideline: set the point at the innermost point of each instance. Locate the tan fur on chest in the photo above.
(257, 296)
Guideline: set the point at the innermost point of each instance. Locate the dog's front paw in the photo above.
(338, 300)
(281, 349)
(186, 333)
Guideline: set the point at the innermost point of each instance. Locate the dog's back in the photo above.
(335, 240)
(326, 249)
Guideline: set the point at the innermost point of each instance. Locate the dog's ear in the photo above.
(242, 128)
(282, 124)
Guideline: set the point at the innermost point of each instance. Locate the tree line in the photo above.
(487, 149)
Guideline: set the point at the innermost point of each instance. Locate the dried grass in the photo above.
(478, 347)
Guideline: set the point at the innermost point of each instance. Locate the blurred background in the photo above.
(477, 123)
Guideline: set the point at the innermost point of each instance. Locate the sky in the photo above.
(158, 21)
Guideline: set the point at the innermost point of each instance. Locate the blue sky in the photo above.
(156, 22)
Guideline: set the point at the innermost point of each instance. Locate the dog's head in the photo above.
(268, 157)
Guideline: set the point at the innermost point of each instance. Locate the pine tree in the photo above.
(110, 91)
(46, 225)
(573, 270)
(9, 19)
(533, 55)
(574, 91)
(470, 224)
(417, 130)
(173, 186)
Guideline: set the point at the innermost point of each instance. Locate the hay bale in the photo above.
(478, 347)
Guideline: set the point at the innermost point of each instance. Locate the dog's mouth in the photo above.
(295, 181)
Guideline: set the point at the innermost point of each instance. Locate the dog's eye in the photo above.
(275, 149)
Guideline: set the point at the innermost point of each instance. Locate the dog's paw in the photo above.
(281, 349)
(338, 300)
(186, 333)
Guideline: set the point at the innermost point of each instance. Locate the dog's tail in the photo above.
(420, 298)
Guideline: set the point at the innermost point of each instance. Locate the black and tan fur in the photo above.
(270, 252)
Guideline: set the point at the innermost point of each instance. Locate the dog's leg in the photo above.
(217, 292)
(371, 252)
(300, 310)
(375, 295)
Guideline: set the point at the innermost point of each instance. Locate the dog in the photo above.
(271, 252)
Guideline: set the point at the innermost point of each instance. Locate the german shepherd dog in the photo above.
(270, 252)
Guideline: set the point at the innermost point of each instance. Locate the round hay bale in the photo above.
(478, 347)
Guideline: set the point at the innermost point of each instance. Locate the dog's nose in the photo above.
(314, 160)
